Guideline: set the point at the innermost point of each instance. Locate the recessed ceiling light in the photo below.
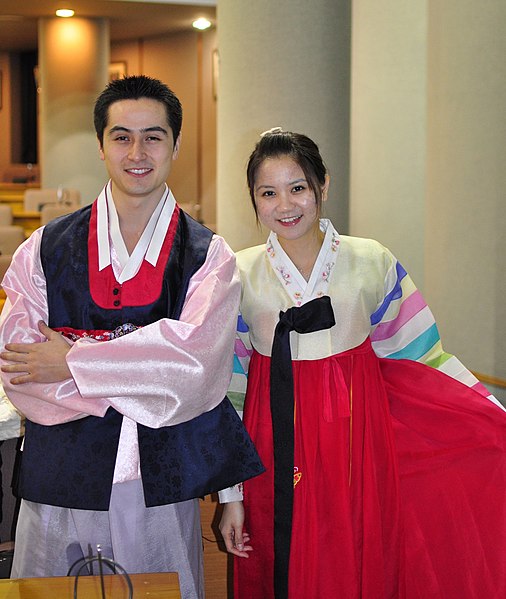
(65, 12)
(202, 23)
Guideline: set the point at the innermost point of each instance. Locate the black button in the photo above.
(117, 302)
(115, 291)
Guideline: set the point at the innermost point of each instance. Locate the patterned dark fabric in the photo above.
(72, 464)
(205, 455)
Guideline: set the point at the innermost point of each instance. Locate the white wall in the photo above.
(466, 179)
(73, 61)
(388, 127)
(428, 140)
(281, 64)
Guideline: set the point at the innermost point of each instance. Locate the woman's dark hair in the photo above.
(277, 143)
(134, 88)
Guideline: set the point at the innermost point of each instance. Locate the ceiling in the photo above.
(128, 19)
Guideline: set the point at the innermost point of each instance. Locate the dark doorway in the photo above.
(24, 149)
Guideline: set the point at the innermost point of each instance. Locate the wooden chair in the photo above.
(5, 215)
(11, 236)
(34, 199)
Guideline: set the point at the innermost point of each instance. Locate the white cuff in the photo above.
(231, 494)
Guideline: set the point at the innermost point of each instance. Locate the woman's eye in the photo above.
(267, 194)
(298, 188)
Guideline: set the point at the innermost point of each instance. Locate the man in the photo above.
(123, 391)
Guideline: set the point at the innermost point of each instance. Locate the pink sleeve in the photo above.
(26, 304)
(172, 370)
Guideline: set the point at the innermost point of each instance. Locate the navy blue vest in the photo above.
(72, 464)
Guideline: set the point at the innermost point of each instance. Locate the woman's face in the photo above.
(284, 201)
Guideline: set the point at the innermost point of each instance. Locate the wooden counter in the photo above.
(14, 193)
(28, 220)
(164, 585)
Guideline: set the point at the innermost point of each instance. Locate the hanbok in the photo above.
(151, 353)
(399, 470)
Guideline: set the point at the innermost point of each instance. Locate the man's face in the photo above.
(138, 149)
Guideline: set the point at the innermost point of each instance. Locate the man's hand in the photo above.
(231, 527)
(41, 362)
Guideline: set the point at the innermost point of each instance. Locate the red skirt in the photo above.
(399, 484)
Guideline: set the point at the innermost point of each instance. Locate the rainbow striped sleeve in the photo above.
(237, 392)
(403, 327)
(242, 353)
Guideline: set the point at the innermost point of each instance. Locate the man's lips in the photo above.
(138, 172)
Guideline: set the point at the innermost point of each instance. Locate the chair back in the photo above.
(11, 236)
(5, 214)
(34, 199)
(51, 211)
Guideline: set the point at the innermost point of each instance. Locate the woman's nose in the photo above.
(284, 202)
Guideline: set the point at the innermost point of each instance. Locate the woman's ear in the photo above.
(325, 188)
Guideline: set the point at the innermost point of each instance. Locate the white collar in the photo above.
(300, 290)
(110, 239)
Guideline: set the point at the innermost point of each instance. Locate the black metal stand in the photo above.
(111, 564)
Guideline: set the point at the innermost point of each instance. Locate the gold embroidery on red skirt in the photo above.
(296, 476)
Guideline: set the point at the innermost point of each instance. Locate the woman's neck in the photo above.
(303, 252)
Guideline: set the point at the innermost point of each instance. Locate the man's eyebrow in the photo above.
(156, 128)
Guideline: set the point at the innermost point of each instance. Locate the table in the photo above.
(163, 585)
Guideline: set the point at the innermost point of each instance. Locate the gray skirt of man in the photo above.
(166, 538)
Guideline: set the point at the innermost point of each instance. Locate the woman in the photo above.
(384, 477)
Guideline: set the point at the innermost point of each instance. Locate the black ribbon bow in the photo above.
(316, 315)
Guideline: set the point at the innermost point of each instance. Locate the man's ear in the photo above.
(100, 150)
(177, 145)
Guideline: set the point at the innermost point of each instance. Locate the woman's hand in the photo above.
(231, 527)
